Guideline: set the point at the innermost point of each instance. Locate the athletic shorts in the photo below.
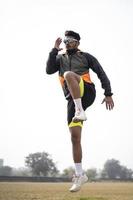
(88, 94)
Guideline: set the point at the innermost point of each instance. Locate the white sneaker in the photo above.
(79, 116)
(78, 181)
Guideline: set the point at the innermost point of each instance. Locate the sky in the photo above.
(32, 105)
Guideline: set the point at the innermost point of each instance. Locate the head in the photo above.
(71, 40)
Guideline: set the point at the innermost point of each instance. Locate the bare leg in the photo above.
(80, 177)
(76, 143)
(73, 80)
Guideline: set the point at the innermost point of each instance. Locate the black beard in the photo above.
(71, 51)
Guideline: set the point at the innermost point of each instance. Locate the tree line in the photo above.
(41, 164)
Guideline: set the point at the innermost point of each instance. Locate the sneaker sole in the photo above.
(86, 180)
(75, 190)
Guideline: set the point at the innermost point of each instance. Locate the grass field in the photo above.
(59, 191)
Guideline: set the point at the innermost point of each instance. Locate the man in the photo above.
(73, 67)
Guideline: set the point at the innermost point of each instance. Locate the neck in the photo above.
(71, 51)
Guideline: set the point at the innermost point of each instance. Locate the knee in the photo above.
(68, 75)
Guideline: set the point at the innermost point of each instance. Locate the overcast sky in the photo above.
(32, 105)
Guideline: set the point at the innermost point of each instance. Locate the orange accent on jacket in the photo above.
(61, 78)
(86, 77)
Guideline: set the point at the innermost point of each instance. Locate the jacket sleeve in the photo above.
(53, 62)
(97, 68)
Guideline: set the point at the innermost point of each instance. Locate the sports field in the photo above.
(59, 191)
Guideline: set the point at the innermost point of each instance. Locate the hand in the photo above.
(57, 44)
(109, 102)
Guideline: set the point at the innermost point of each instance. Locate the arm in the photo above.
(53, 62)
(97, 68)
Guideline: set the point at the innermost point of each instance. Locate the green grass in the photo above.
(60, 191)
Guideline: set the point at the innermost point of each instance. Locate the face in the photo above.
(71, 43)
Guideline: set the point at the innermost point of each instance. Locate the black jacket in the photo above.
(78, 62)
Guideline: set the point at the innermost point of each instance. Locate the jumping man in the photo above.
(73, 68)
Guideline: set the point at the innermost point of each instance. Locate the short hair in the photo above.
(73, 34)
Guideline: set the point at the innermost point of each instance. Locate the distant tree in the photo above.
(41, 164)
(5, 171)
(112, 168)
(125, 173)
(91, 173)
(68, 172)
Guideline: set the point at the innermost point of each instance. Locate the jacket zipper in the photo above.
(70, 58)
